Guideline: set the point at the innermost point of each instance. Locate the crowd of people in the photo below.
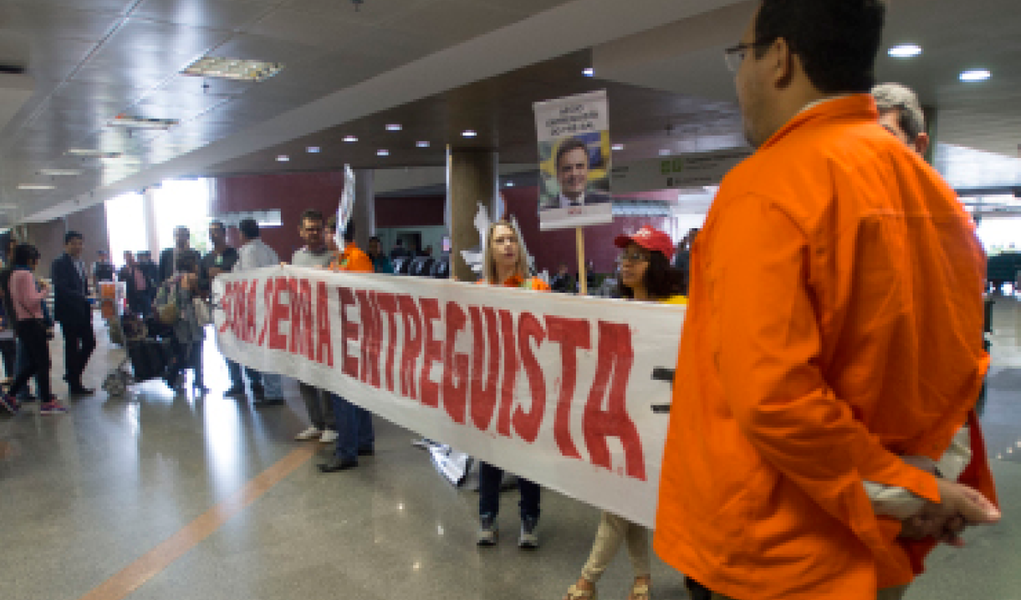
(830, 359)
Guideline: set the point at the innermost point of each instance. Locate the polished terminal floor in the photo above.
(163, 497)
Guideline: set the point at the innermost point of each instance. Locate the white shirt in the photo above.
(566, 202)
(253, 255)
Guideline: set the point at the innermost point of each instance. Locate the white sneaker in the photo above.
(329, 436)
(311, 433)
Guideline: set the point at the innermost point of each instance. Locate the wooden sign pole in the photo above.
(579, 234)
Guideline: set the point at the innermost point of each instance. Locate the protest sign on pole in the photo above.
(554, 388)
(574, 161)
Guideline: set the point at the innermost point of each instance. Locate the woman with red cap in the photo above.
(645, 274)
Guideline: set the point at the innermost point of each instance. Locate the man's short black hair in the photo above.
(837, 40)
(218, 224)
(311, 214)
(375, 238)
(249, 228)
(186, 263)
(567, 146)
(72, 235)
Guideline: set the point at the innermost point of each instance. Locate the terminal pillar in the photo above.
(149, 214)
(471, 181)
(363, 214)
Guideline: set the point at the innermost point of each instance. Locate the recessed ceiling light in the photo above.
(393, 127)
(422, 144)
(905, 51)
(617, 147)
(664, 153)
(509, 184)
(588, 72)
(312, 149)
(35, 186)
(350, 139)
(975, 75)
(382, 152)
(283, 158)
(233, 68)
(469, 133)
(59, 172)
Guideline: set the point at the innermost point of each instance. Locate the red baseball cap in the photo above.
(649, 238)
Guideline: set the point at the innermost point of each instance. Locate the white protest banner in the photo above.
(555, 388)
(683, 171)
(574, 161)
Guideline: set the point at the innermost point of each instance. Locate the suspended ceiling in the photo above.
(435, 66)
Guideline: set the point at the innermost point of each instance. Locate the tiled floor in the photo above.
(87, 494)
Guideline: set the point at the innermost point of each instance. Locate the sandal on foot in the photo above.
(576, 593)
(639, 591)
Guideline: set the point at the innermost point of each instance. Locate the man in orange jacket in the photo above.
(833, 330)
(355, 435)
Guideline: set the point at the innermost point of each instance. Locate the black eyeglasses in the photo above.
(635, 256)
(735, 55)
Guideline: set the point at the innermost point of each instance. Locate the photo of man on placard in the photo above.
(572, 167)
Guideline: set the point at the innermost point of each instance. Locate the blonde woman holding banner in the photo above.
(505, 263)
(645, 274)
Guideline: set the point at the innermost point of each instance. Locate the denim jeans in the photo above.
(270, 381)
(489, 492)
(354, 428)
(20, 363)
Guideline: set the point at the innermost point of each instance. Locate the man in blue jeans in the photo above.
(354, 424)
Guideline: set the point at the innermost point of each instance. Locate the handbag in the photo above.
(168, 313)
(203, 314)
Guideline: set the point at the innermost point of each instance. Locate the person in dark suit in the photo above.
(73, 311)
(572, 163)
(169, 257)
(140, 286)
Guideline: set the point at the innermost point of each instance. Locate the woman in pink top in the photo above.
(26, 298)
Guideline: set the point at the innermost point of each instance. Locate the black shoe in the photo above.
(529, 538)
(370, 451)
(258, 391)
(268, 402)
(337, 464)
(80, 390)
(236, 391)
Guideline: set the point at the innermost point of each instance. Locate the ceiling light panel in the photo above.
(92, 153)
(905, 51)
(235, 69)
(35, 186)
(132, 122)
(59, 172)
(974, 75)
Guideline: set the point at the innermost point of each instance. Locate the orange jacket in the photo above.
(532, 283)
(352, 259)
(834, 323)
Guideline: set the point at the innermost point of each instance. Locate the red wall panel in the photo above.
(292, 193)
(412, 211)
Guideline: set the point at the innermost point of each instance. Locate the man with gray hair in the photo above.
(901, 114)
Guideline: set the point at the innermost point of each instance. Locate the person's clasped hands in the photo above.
(959, 507)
